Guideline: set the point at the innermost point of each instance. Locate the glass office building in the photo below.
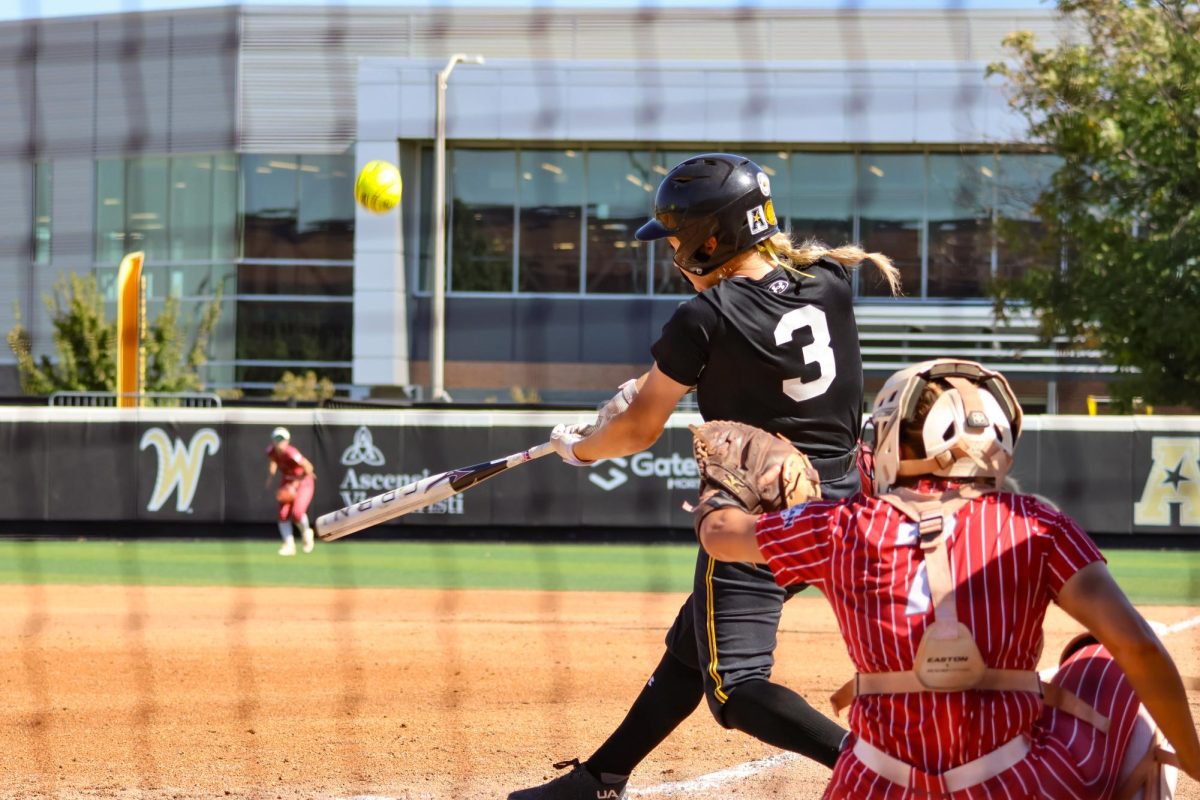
(224, 144)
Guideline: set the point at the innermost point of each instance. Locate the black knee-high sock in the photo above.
(782, 718)
(668, 698)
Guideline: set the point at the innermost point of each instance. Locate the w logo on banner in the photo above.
(178, 465)
(362, 450)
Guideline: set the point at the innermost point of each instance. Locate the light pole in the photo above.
(437, 315)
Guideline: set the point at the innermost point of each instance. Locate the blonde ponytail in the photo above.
(784, 252)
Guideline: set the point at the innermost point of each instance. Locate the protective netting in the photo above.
(222, 142)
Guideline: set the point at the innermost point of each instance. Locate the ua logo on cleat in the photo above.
(608, 794)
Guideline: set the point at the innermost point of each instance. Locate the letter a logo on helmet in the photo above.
(712, 195)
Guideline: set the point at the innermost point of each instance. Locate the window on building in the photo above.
(110, 211)
(298, 207)
(822, 198)
(189, 281)
(191, 231)
(178, 209)
(551, 216)
(620, 194)
(482, 218)
(419, 226)
(934, 214)
(1021, 240)
(293, 332)
(962, 192)
(270, 206)
(325, 223)
(891, 199)
(225, 207)
(147, 207)
(42, 209)
(295, 279)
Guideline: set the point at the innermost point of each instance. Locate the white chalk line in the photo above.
(1180, 626)
(714, 779)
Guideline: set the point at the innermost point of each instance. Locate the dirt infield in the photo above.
(283, 693)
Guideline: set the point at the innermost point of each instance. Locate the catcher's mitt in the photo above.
(286, 494)
(748, 468)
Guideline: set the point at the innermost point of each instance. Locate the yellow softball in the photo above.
(378, 187)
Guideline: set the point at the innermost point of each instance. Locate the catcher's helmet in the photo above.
(716, 194)
(970, 431)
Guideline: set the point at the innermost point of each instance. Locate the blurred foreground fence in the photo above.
(1116, 475)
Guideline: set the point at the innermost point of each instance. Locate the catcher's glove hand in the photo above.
(747, 468)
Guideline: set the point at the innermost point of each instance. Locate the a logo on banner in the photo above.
(179, 465)
(679, 471)
(362, 450)
(1174, 480)
(356, 485)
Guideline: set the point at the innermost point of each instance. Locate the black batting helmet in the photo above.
(716, 194)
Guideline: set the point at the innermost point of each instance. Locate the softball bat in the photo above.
(419, 494)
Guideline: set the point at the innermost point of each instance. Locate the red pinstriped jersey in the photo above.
(1010, 554)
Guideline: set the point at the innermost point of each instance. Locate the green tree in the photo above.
(303, 387)
(1119, 102)
(85, 343)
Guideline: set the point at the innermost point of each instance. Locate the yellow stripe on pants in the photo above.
(711, 627)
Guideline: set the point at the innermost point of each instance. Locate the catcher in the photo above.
(940, 583)
(296, 484)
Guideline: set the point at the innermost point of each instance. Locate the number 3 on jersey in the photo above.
(818, 351)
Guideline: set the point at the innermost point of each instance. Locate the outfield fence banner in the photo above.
(1114, 475)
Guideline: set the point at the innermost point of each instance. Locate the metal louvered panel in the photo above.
(66, 100)
(132, 84)
(118, 85)
(203, 87)
(299, 71)
(299, 65)
(18, 46)
(73, 214)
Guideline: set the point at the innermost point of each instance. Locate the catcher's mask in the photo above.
(969, 432)
(716, 194)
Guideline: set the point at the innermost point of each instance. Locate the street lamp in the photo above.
(437, 316)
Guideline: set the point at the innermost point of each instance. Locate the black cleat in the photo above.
(578, 784)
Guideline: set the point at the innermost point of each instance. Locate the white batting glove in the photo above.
(619, 402)
(565, 437)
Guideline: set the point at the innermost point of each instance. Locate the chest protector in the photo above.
(948, 659)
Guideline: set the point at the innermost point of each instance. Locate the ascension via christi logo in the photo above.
(362, 450)
(356, 486)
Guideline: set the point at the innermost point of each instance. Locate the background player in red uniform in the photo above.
(769, 340)
(940, 547)
(296, 483)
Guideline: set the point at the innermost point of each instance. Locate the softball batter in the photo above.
(948, 630)
(769, 340)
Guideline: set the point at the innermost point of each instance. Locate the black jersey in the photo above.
(780, 353)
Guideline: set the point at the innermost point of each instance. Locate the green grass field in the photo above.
(1160, 577)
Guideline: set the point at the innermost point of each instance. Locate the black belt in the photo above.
(830, 469)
